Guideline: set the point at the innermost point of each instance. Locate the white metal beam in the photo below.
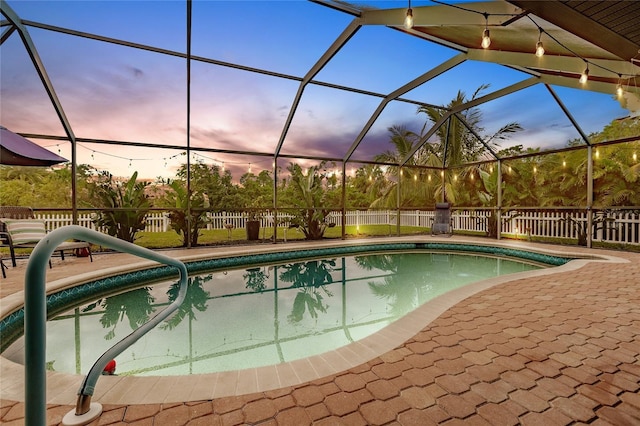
(591, 85)
(497, 14)
(598, 67)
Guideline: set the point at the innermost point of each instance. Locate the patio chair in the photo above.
(442, 221)
(20, 229)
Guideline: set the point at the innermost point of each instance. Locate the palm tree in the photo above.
(367, 185)
(414, 190)
(457, 144)
(460, 144)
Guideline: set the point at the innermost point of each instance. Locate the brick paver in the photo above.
(558, 349)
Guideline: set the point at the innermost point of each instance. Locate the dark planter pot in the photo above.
(253, 229)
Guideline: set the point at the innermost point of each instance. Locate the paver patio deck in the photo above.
(556, 349)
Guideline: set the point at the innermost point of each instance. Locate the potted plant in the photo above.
(253, 224)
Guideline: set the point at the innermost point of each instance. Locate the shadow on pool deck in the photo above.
(553, 349)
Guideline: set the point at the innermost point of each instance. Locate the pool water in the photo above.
(263, 315)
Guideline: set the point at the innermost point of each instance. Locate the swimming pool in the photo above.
(297, 309)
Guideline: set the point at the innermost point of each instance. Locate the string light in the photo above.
(429, 177)
(415, 177)
(564, 163)
(195, 155)
(486, 40)
(408, 19)
(619, 89)
(539, 52)
(539, 47)
(585, 74)
(635, 157)
(584, 77)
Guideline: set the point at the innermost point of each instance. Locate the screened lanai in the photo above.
(504, 109)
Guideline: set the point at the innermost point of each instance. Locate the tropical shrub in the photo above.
(187, 220)
(309, 192)
(125, 206)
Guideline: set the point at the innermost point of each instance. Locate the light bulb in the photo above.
(539, 49)
(486, 40)
(635, 156)
(408, 20)
(585, 75)
(619, 90)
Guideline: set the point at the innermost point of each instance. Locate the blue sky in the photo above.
(125, 94)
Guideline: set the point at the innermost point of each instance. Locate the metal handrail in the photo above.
(35, 317)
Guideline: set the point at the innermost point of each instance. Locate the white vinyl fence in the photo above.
(621, 227)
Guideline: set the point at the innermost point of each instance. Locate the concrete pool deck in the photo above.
(556, 347)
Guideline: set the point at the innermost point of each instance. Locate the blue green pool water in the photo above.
(261, 315)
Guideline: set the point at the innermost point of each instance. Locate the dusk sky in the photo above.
(119, 93)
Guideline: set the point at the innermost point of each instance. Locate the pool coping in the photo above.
(62, 387)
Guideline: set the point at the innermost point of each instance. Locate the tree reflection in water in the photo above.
(310, 277)
(405, 288)
(136, 305)
(196, 298)
(255, 279)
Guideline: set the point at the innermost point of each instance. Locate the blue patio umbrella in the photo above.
(17, 150)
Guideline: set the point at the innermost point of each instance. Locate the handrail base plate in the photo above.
(71, 419)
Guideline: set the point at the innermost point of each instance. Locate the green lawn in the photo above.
(170, 239)
(156, 240)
